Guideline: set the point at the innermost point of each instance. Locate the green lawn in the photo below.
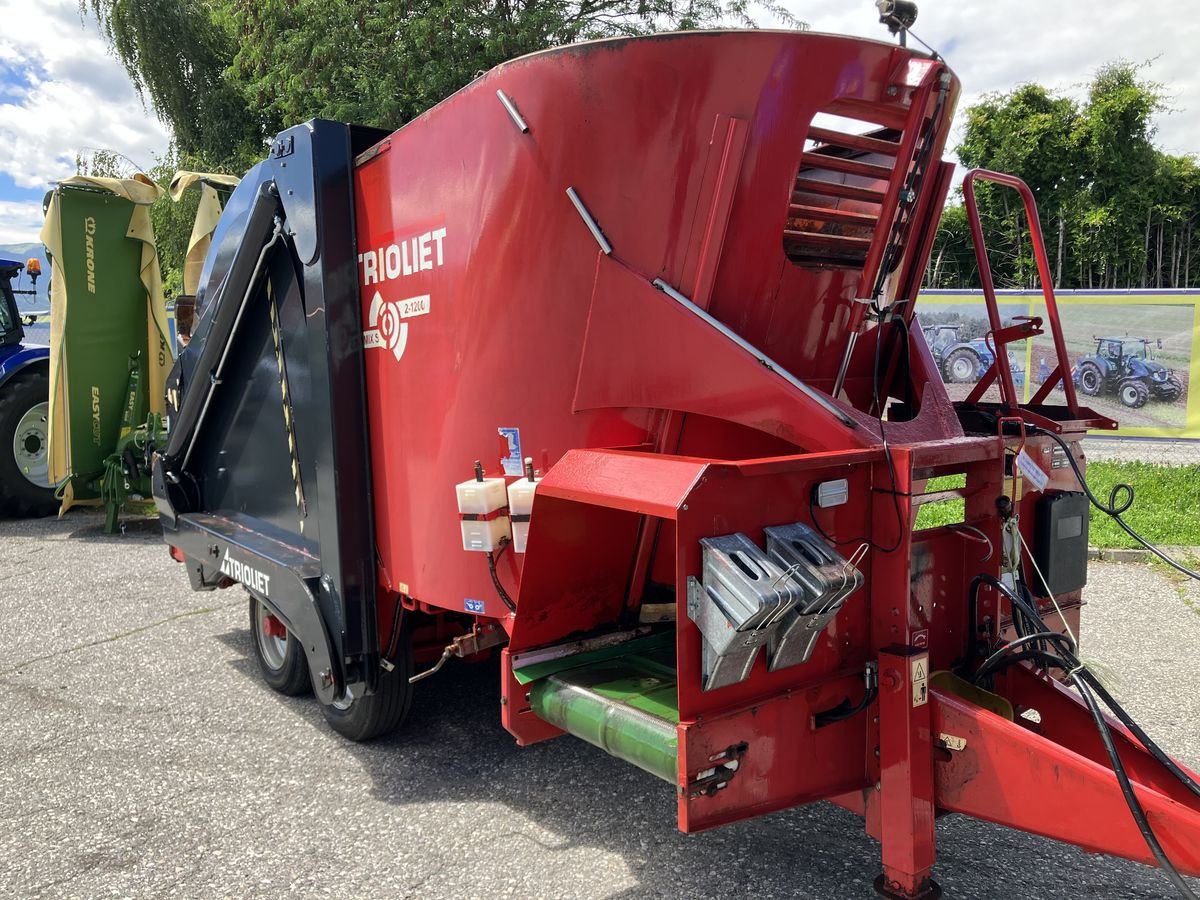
(1166, 511)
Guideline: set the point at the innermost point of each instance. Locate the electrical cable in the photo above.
(992, 661)
(1024, 612)
(844, 710)
(1113, 509)
(1131, 800)
(491, 558)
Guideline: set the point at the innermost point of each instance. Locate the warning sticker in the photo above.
(511, 462)
(1036, 474)
(920, 680)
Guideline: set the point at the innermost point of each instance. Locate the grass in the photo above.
(1166, 511)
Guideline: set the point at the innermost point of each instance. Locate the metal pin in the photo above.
(593, 227)
(511, 109)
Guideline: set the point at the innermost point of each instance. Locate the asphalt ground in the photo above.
(140, 756)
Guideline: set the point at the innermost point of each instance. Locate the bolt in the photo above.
(504, 701)
(326, 678)
(892, 90)
(891, 680)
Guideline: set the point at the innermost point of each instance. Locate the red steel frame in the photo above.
(653, 428)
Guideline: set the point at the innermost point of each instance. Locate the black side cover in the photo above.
(265, 478)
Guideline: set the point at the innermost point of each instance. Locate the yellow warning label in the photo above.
(920, 680)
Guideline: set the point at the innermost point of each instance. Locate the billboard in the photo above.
(1133, 354)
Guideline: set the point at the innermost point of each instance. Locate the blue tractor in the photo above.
(965, 362)
(1123, 366)
(25, 489)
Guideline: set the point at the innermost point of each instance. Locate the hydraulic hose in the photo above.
(1120, 499)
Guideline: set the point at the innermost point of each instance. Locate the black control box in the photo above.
(1060, 543)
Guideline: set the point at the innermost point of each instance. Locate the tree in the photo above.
(176, 53)
(1028, 131)
(1117, 212)
(383, 62)
(226, 75)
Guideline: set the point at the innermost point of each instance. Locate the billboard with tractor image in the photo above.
(1131, 353)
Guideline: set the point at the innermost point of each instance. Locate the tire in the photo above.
(374, 715)
(1133, 393)
(280, 658)
(1091, 379)
(1172, 390)
(25, 490)
(962, 366)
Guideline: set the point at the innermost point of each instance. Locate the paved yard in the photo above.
(140, 756)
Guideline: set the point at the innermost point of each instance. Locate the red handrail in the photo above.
(1007, 389)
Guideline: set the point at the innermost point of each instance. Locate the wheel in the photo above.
(280, 656)
(1172, 390)
(373, 715)
(1091, 379)
(25, 488)
(1133, 393)
(962, 366)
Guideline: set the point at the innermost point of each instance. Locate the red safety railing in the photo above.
(1026, 327)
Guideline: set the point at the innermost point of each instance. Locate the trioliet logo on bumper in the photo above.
(246, 574)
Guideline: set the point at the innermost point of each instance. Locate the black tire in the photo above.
(1172, 390)
(1091, 379)
(962, 367)
(1133, 393)
(282, 662)
(20, 398)
(374, 715)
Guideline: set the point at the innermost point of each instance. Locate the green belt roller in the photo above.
(626, 706)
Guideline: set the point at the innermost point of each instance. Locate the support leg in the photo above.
(906, 776)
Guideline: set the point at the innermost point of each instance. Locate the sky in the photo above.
(62, 93)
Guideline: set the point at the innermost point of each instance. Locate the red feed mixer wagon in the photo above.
(607, 364)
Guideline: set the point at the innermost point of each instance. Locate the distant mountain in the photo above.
(24, 252)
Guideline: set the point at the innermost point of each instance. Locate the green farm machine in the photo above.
(112, 341)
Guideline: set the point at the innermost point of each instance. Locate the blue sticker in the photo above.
(513, 464)
(473, 606)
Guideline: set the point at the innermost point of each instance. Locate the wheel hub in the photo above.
(30, 445)
(271, 635)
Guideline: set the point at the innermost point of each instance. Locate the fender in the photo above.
(27, 355)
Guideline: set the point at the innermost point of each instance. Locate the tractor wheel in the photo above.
(25, 488)
(280, 656)
(1172, 390)
(373, 715)
(1091, 379)
(962, 366)
(1133, 393)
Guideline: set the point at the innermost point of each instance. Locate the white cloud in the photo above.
(70, 96)
(996, 45)
(19, 222)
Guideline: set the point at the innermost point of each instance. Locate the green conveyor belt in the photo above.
(626, 705)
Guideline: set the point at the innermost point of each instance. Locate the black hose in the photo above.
(844, 710)
(1067, 660)
(992, 661)
(491, 558)
(1131, 800)
(1144, 739)
(1119, 500)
